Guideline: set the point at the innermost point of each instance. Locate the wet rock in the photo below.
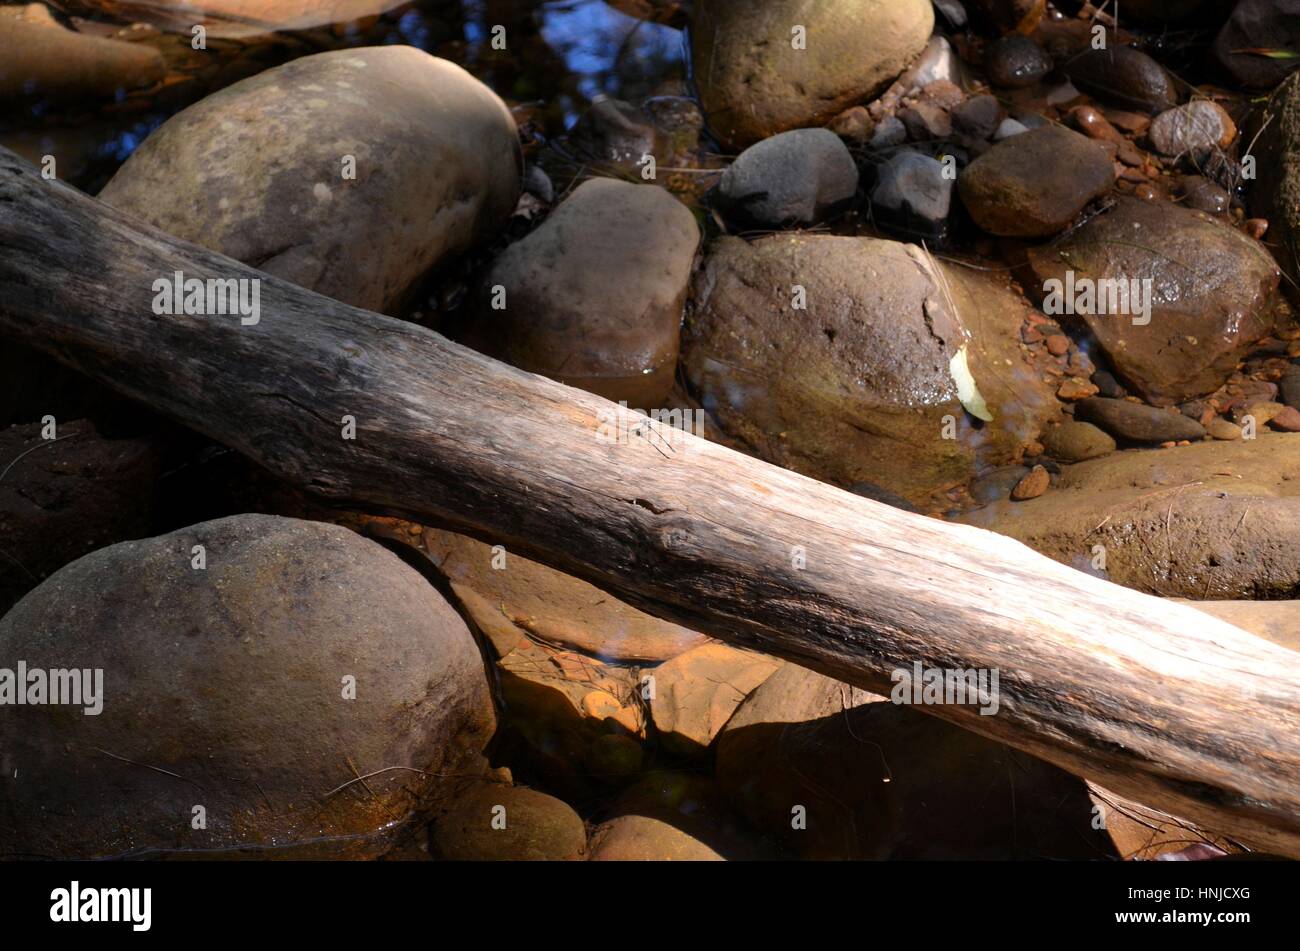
(1077, 441)
(61, 498)
(1204, 195)
(437, 169)
(593, 297)
(1196, 130)
(614, 131)
(1035, 482)
(1213, 520)
(1259, 25)
(1108, 386)
(232, 683)
(1137, 422)
(497, 823)
(859, 385)
(796, 178)
(1123, 75)
(874, 492)
(1015, 61)
(1075, 388)
(1034, 184)
(1224, 430)
(1209, 294)
(571, 719)
(46, 63)
(937, 63)
(997, 484)
(696, 693)
(979, 116)
(526, 599)
(755, 82)
(875, 780)
(912, 196)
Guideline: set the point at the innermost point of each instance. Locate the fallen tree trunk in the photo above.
(1155, 700)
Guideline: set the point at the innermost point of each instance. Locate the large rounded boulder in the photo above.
(269, 685)
(351, 173)
(860, 360)
(764, 68)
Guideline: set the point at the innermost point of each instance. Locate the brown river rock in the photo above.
(754, 82)
(1213, 520)
(593, 297)
(1211, 291)
(526, 599)
(437, 169)
(1032, 185)
(42, 60)
(226, 687)
(857, 387)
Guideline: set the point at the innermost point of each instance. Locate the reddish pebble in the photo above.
(1034, 484)
(1288, 420)
(1256, 227)
(1146, 193)
(1093, 124)
(1058, 344)
(1076, 389)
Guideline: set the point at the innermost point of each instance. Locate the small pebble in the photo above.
(1032, 485)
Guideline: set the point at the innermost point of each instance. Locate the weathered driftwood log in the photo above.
(1155, 700)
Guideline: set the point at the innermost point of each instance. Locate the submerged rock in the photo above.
(697, 692)
(758, 76)
(230, 687)
(1077, 441)
(524, 599)
(1137, 422)
(593, 297)
(874, 780)
(365, 169)
(497, 823)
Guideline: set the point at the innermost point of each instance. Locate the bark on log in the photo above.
(1152, 699)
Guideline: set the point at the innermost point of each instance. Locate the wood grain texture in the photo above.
(1154, 700)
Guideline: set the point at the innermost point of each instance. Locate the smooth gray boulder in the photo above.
(240, 701)
(352, 173)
